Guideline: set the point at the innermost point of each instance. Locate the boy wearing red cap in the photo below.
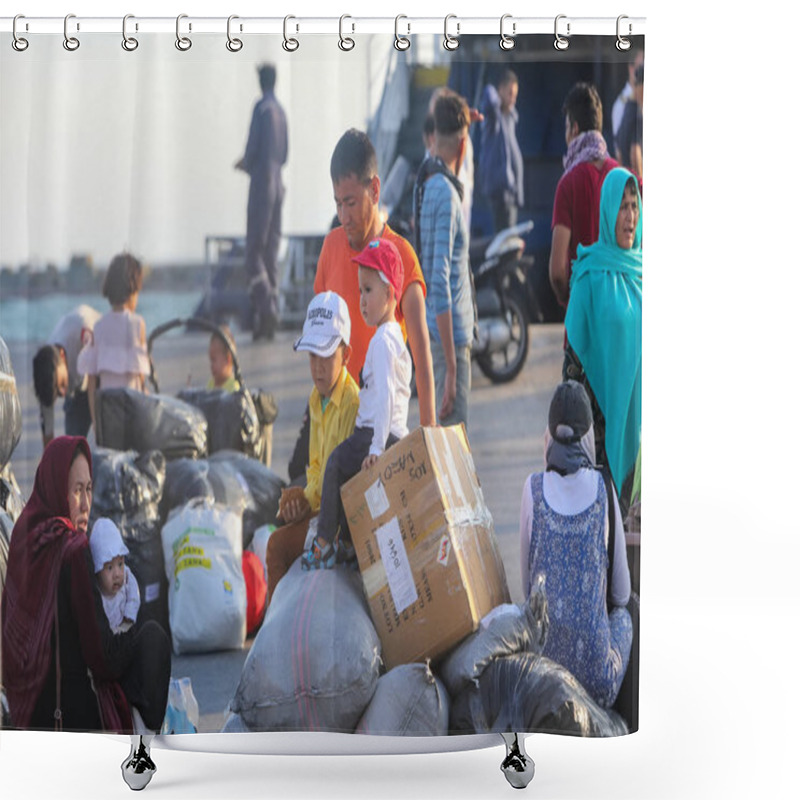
(383, 409)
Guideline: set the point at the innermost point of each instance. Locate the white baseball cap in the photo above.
(105, 543)
(327, 324)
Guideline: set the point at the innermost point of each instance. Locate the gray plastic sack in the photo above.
(129, 420)
(506, 630)
(315, 662)
(527, 693)
(10, 409)
(408, 701)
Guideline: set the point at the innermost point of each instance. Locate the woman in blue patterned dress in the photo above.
(564, 537)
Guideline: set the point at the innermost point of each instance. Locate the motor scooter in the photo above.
(499, 268)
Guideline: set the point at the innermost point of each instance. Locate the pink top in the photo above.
(117, 351)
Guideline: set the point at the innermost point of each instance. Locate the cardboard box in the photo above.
(425, 544)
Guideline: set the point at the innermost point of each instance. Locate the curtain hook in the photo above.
(507, 42)
(71, 43)
(401, 42)
(289, 44)
(18, 42)
(451, 42)
(560, 42)
(183, 43)
(623, 44)
(346, 43)
(234, 45)
(129, 43)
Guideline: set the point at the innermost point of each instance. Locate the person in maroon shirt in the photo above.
(576, 209)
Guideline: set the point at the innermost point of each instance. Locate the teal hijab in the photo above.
(604, 326)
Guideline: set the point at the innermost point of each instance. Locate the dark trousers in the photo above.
(343, 463)
(264, 211)
(146, 680)
(504, 211)
(77, 418)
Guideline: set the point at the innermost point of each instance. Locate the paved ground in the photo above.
(506, 427)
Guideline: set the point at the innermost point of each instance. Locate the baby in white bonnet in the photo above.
(118, 586)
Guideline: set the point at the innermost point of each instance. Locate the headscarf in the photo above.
(42, 539)
(604, 326)
(569, 436)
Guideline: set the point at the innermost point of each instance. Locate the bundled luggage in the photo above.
(528, 692)
(10, 410)
(315, 662)
(129, 420)
(228, 478)
(233, 423)
(202, 547)
(408, 701)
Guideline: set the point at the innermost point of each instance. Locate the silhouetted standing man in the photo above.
(264, 156)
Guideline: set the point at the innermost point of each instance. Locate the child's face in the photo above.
(325, 371)
(377, 300)
(132, 302)
(112, 576)
(221, 362)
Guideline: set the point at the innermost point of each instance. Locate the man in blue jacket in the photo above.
(500, 171)
(265, 154)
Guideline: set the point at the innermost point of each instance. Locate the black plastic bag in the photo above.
(233, 423)
(129, 420)
(529, 693)
(264, 485)
(10, 409)
(214, 481)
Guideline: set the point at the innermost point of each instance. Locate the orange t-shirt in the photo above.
(337, 272)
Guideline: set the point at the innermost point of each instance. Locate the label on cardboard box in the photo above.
(395, 562)
(377, 500)
(444, 550)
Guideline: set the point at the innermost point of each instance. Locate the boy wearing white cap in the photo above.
(118, 587)
(333, 406)
(383, 403)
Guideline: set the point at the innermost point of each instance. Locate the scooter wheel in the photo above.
(504, 365)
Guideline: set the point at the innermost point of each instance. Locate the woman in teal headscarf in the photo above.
(604, 321)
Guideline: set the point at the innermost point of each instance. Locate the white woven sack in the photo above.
(207, 596)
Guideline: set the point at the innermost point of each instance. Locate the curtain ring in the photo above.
(71, 43)
(289, 44)
(129, 43)
(233, 44)
(623, 44)
(451, 42)
(18, 42)
(401, 42)
(183, 43)
(345, 42)
(560, 42)
(507, 42)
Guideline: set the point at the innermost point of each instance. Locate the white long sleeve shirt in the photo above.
(384, 396)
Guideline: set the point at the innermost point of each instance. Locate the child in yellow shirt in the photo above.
(333, 406)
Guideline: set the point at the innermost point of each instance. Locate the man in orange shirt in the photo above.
(356, 190)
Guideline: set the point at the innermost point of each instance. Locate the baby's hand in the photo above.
(369, 461)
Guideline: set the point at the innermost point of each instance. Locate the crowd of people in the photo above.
(74, 656)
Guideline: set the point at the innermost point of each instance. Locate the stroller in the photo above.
(240, 420)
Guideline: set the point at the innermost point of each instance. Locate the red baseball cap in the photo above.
(383, 256)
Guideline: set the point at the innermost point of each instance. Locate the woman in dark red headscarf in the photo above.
(52, 635)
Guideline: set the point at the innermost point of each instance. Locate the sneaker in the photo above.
(317, 557)
(346, 554)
